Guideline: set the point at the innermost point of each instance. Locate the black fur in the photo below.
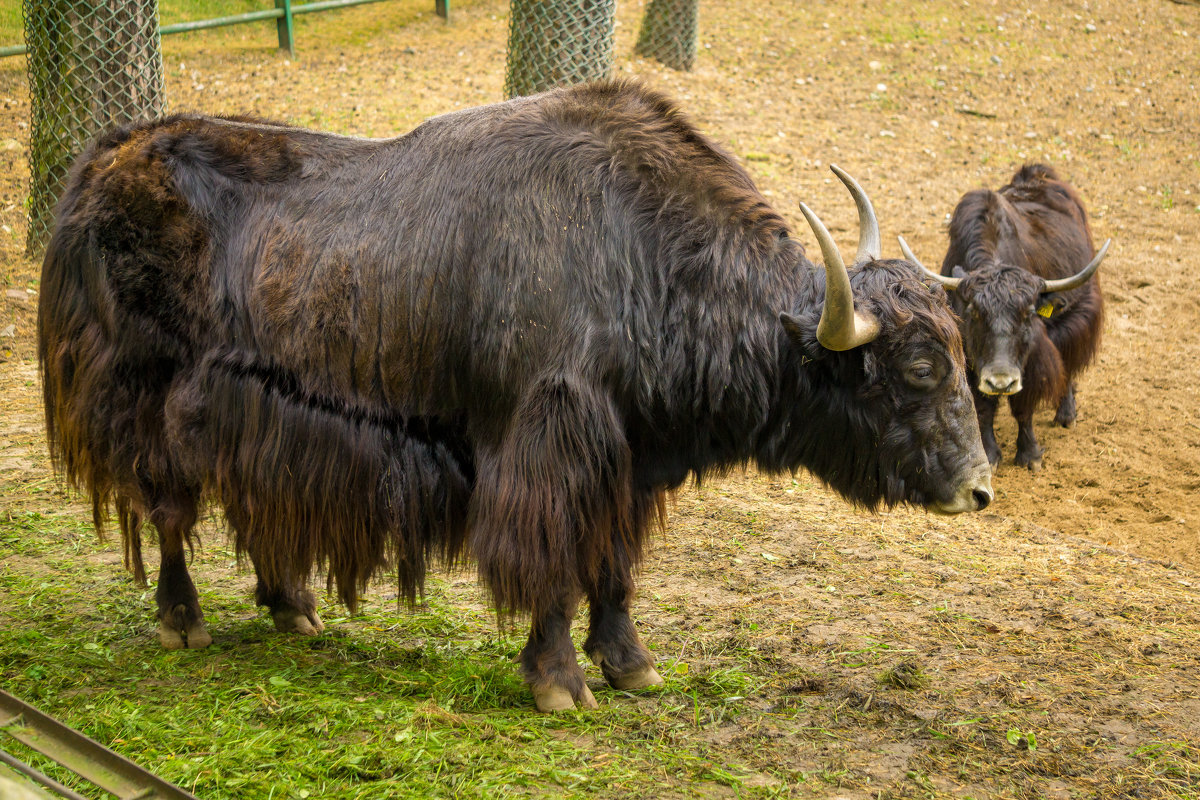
(503, 335)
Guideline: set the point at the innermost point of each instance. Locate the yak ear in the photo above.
(958, 272)
(794, 328)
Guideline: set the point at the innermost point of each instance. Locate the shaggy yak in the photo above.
(1030, 315)
(503, 336)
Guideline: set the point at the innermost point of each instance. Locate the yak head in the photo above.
(1002, 310)
(888, 381)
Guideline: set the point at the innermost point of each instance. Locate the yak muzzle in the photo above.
(1000, 380)
(973, 494)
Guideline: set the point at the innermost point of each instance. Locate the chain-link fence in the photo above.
(669, 32)
(558, 43)
(92, 64)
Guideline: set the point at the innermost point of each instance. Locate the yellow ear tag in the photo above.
(1045, 310)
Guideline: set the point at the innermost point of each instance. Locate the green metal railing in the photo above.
(283, 13)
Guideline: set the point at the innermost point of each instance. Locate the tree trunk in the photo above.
(92, 65)
(669, 32)
(558, 43)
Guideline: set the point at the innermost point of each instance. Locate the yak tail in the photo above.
(104, 369)
(308, 480)
(94, 404)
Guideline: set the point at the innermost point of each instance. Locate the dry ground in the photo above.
(1070, 608)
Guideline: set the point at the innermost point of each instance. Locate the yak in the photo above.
(505, 336)
(1021, 269)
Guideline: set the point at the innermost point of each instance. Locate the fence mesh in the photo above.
(669, 32)
(558, 43)
(92, 64)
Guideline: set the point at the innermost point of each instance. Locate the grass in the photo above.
(12, 30)
(387, 703)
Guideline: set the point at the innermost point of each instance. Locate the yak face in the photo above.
(895, 418)
(1000, 309)
(929, 449)
(897, 413)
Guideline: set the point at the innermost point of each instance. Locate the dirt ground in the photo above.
(1084, 573)
(921, 102)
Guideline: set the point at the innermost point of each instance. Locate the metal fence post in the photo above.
(91, 66)
(442, 7)
(285, 29)
(669, 32)
(558, 43)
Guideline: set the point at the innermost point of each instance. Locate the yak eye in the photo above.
(921, 375)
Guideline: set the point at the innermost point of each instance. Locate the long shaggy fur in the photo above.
(505, 334)
(1035, 225)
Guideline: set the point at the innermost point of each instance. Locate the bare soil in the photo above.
(1072, 603)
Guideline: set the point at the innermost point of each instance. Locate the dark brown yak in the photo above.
(502, 336)
(1021, 265)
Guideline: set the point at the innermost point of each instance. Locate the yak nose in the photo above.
(983, 497)
(1000, 381)
(974, 493)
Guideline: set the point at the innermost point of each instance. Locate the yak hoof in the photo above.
(194, 637)
(555, 698)
(291, 620)
(638, 679)
(1034, 463)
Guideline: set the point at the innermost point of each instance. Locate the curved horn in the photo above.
(841, 327)
(944, 280)
(1081, 277)
(870, 246)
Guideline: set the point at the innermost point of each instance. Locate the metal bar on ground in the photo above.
(82, 755)
(19, 767)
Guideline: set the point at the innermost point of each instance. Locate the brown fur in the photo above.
(1004, 244)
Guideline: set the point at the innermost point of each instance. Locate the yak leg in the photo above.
(1066, 409)
(612, 642)
(985, 410)
(542, 514)
(180, 621)
(293, 607)
(548, 660)
(1029, 453)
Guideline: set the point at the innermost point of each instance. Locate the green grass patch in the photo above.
(385, 703)
(366, 25)
(12, 26)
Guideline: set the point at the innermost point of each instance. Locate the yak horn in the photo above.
(944, 280)
(841, 327)
(870, 246)
(1080, 278)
